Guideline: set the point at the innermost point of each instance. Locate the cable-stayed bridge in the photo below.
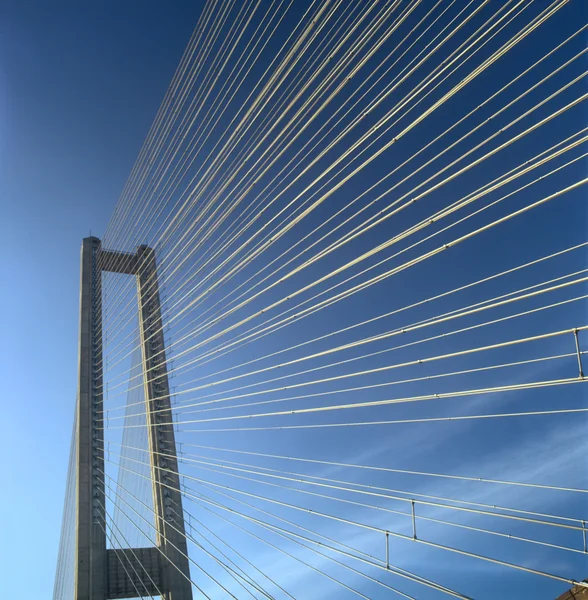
(332, 342)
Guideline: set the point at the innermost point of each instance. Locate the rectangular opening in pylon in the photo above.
(130, 521)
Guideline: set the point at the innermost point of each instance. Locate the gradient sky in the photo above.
(79, 88)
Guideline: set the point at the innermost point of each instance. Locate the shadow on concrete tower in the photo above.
(101, 573)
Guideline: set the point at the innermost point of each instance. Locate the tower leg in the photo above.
(167, 500)
(90, 573)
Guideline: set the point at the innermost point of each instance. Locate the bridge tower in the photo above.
(99, 572)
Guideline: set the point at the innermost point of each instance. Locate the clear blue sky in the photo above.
(80, 84)
(79, 87)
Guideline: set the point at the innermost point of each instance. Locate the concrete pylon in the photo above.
(99, 572)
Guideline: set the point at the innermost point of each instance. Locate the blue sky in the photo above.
(79, 88)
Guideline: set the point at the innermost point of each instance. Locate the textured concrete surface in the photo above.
(99, 573)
